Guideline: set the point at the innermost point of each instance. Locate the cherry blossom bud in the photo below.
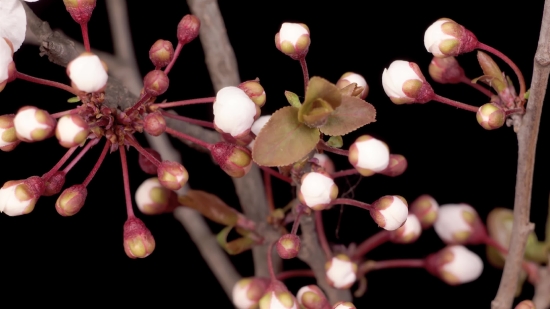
(88, 73)
(71, 200)
(408, 232)
(146, 165)
(526, 304)
(154, 124)
(459, 224)
(350, 78)
(446, 38)
(397, 166)
(172, 175)
(18, 197)
(369, 155)
(54, 184)
(390, 212)
(8, 137)
(317, 190)
(188, 29)
(234, 111)
(80, 10)
(491, 116)
(455, 265)
(403, 82)
(13, 22)
(293, 40)
(341, 272)
(254, 91)
(325, 162)
(278, 300)
(154, 199)
(425, 208)
(344, 305)
(233, 159)
(288, 246)
(138, 240)
(156, 83)
(161, 53)
(6, 59)
(311, 297)
(446, 70)
(33, 124)
(248, 291)
(71, 130)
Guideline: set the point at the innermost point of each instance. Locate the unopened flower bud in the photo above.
(234, 111)
(54, 184)
(161, 53)
(446, 38)
(390, 212)
(154, 199)
(425, 208)
(18, 197)
(279, 299)
(80, 10)
(6, 59)
(33, 124)
(397, 166)
(317, 191)
(254, 91)
(288, 246)
(369, 155)
(325, 162)
(71, 200)
(138, 240)
(403, 83)
(88, 73)
(248, 291)
(154, 124)
(188, 29)
(446, 70)
(156, 83)
(526, 304)
(350, 78)
(311, 297)
(408, 232)
(172, 175)
(8, 136)
(344, 305)
(146, 165)
(341, 272)
(459, 224)
(455, 265)
(71, 130)
(233, 159)
(491, 116)
(293, 40)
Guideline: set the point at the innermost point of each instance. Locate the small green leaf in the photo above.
(73, 100)
(350, 116)
(284, 140)
(335, 141)
(526, 96)
(322, 97)
(491, 81)
(293, 99)
(236, 246)
(490, 68)
(210, 206)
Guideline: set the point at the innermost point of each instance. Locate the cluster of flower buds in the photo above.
(369, 155)
(318, 190)
(293, 40)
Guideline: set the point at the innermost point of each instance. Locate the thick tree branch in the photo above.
(527, 142)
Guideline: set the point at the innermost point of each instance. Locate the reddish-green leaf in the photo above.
(210, 206)
(352, 114)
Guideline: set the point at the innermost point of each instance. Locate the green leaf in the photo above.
(236, 246)
(335, 141)
(210, 206)
(73, 100)
(491, 81)
(293, 99)
(526, 97)
(322, 97)
(352, 114)
(349, 89)
(284, 140)
(490, 68)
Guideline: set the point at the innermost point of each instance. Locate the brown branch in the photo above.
(527, 142)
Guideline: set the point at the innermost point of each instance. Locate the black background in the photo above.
(450, 156)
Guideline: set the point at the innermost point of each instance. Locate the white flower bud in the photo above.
(317, 190)
(293, 40)
(5, 59)
(33, 124)
(350, 78)
(248, 291)
(434, 36)
(369, 155)
(344, 305)
(325, 162)
(455, 223)
(341, 272)
(151, 197)
(88, 73)
(257, 127)
(446, 37)
(278, 300)
(394, 78)
(18, 197)
(409, 232)
(8, 138)
(71, 130)
(234, 111)
(455, 265)
(390, 212)
(13, 22)
(311, 296)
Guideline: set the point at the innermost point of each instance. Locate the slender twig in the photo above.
(60, 163)
(45, 82)
(456, 104)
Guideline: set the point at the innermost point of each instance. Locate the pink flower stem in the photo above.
(322, 145)
(67, 112)
(295, 273)
(176, 55)
(185, 102)
(130, 140)
(371, 243)
(520, 110)
(127, 195)
(45, 82)
(268, 192)
(455, 103)
(97, 164)
(303, 64)
(276, 174)
(85, 37)
(296, 222)
(485, 91)
(321, 234)
(351, 202)
(141, 100)
(201, 123)
(189, 138)
(404, 263)
(79, 156)
(508, 61)
(344, 173)
(270, 261)
(62, 161)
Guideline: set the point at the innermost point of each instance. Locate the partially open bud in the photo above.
(154, 124)
(248, 291)
(88, 73)
(138, 241)
(33, 124)
(317, 191)
(390, 212)
(408, 232)
(459, 224)
(455, 265)
(350, 78)
(425, 208)
(18, 197)
(491, 116)
(71, 200)
(8, 137)
(172, 175)
(288, 246)
(397, 166)
(325, 162)
(403, 83)
(278, 299)
(446, 38)
(293, 40)
(80, 10)
(156, 83)
(54, 184)
(71, 130)
(341, 272)
(154, 199)
(369, 155)
(311, 297)
(254, 91)
(233, 159)
(344, 305)
(234, 111)
(188, 29)
(446, 70)
(161, 53)
(146, 165)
